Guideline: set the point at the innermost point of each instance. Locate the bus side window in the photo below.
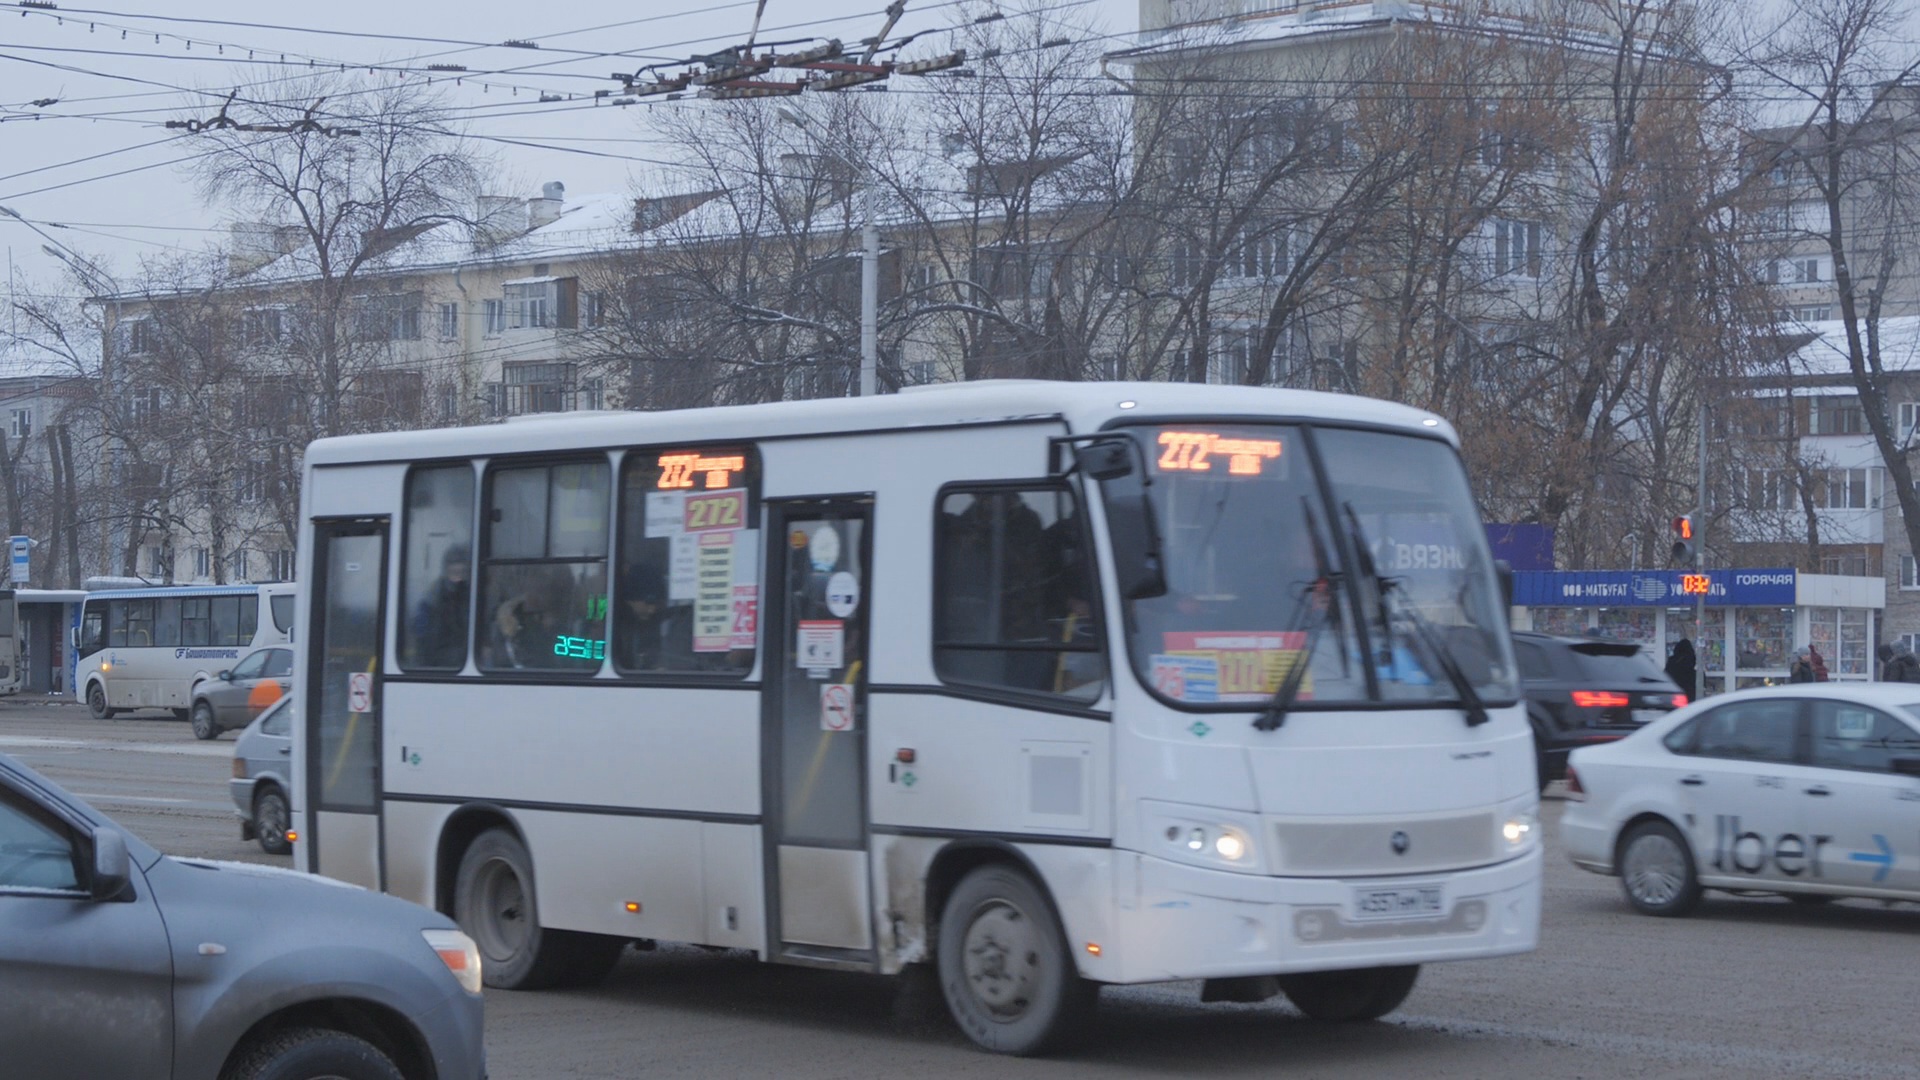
(93, 630)
(226, 621)
(116, 624)
(196, 621)
(139, 623)
(166, 622)
(1015, 604)
(249, 619)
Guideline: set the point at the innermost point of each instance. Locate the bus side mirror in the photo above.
(1111, 459)
(1504, 569)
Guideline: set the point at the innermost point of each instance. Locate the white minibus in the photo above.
(147, 648)
(1032, 686)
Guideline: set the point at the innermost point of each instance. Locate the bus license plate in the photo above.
(1404, 902)
(1648, 716)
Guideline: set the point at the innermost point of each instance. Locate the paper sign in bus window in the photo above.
(821, 644)
(1250, 664)
(1187, 678)
(713, 593)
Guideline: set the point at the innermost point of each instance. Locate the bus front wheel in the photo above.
(1346, 996)
(97, 702)
(1005, 969)
(493, 902)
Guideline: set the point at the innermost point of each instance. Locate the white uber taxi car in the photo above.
(1811, 791)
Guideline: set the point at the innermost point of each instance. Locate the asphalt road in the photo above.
(1746, 988)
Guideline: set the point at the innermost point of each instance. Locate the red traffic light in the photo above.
(1683, 527)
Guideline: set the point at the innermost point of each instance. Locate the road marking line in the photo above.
(47, 742)
(101, 796)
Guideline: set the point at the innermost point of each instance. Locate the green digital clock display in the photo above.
(580, 648)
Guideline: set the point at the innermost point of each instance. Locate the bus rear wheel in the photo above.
(97, 702)
(1005, 969)
(1347, 996)
(493, 902)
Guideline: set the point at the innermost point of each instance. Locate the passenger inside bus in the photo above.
(652, 633)
(440, 622)
(527, 623)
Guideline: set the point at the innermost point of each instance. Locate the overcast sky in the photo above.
(116, 85)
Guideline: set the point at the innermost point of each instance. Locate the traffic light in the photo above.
(1683, 540)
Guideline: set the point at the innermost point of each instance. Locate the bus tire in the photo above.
(97, 702)
(1005, 969)
(493, 901)
(1341, 997)
(204, 725)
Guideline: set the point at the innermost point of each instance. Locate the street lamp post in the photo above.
(869, 270)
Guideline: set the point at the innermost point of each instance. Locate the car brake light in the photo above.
(1600, 699)
(1575, 793)
(1679, 701)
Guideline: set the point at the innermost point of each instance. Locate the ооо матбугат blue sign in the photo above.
(1654, 588)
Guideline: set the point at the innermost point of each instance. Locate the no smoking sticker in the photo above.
(836, 707)
(360, 691)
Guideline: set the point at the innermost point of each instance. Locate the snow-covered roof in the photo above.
(1826, 354)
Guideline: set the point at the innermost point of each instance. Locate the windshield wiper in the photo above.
(1389, 590)
(1307, 616)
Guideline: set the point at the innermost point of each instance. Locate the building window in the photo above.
(282, 564)
(261, 327)
(1771, 489)
(1231, 357)
(1516, 248)
(1808, 271)
(529, 305)
(449, 322)
(202, 564)
(543, 581)
(1835, 416)
(537, 386)
(141, 337)
(158, 560)
(593, 310)
(1908, 578)
(1015, 606)
(237, 565)
(1850, 565)
(494, 317)
(1256, 253)
(1846, 489)
(20, 423)
(387, 317)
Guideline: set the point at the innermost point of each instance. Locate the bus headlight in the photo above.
(1192, 834)
(1520, 830)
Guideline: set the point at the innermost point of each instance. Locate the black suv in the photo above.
(1582, 691)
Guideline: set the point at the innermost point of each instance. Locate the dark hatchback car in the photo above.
(1582, 691)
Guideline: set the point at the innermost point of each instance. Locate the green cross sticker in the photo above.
(908, 779)
(1199, 729)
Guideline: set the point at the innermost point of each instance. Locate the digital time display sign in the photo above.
(1695, 585)
(580, 648)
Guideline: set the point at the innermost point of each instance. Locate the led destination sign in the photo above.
(1196, 451)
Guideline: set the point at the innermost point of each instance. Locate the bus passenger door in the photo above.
(814, 734)
(342, 700)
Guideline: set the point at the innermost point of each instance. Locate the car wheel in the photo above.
(493, 902)
(311, 1054)
(1657, 871)
(97, 702)
(1004, 965)
(270, 821)
(204, 726)
(1347, 996)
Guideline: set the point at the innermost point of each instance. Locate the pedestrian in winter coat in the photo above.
(1802, 669)
(1680, 665)
(1819, 664)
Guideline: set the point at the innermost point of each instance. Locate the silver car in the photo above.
(260, 786)
(118, 961)
(234, 697)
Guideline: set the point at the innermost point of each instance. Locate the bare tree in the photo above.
(1851, 154)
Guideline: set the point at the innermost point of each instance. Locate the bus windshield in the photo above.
(1260, 564)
